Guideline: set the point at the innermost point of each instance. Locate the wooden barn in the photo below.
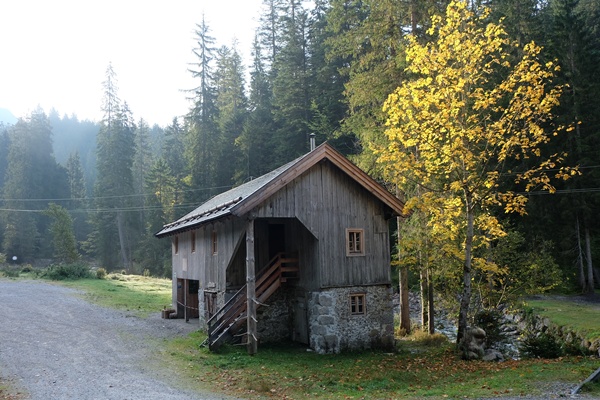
(301, 253)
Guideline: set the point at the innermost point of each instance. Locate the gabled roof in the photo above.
(241, 199)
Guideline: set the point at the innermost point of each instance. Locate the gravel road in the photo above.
(55, 345)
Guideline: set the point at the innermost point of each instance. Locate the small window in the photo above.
(193, 239)
(176, 244)
(214, 242)
(355, 245)
(358, 304)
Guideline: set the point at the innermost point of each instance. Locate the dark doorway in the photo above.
(187, 298)
(276, 239)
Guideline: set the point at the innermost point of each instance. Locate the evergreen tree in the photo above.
(255, 142)
(78, 196)
(4, 146)
(161, 186)
(291, 99)
(270, 30)
(114, 185)
(231, 106)
(325, 82)
(201, 126)
(141, 165)
(573, 40)
(368, 37)
(63, 237)
(32, 177)
(173, 154)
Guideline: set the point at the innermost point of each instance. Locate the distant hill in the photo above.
(7, 117)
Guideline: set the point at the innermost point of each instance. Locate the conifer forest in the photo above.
(483, 116)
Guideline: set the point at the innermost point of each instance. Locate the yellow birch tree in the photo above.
(472, 119)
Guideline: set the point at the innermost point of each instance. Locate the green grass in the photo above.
(420, 369)
(581, 317)
(416, 371)
(138, 294)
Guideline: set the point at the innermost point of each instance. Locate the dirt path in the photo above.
(54, 345)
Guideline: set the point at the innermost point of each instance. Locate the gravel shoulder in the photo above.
(55, 345)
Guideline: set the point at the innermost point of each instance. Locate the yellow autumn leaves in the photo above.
(456, 127)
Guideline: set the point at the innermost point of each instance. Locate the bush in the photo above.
(63, 272)
(542, 345)
(491, 322)
(426, 339)
(101, 273)
(11, 273)
(27, 268)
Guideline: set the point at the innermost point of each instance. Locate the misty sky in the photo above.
(55, 52)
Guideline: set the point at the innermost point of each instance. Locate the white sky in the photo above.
(55, 52)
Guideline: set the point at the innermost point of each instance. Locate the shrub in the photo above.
(67, 272)
(426, 339)
(27, 268)
(101, 273)
(11, 273)
(491, 322)
(542, 345)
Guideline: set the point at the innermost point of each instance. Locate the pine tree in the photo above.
(32, 177)
(201, 126)
(161, 187)
(142, 162)
(78, 196)
(291, 99)
(63, 237)
(255, 142)
(114, 185)
(231, 106)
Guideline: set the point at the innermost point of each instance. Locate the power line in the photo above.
(125, 196)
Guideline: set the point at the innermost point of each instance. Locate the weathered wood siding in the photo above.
(202, 265)
(327, 202)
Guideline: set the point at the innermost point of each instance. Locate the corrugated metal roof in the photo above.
(221, 204)
(243, 198)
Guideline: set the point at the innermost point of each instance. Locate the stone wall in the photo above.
(275, 317)
(332, 328)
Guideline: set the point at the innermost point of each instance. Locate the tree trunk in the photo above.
(430, 303)
(581, 271)
(424, 286)
(589, 286)
(123, 241)
(465, 299)
(403, 287)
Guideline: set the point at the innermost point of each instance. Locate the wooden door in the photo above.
(300, 319)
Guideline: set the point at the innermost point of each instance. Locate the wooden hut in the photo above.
(301, 253)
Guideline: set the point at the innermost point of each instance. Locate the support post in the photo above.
(185, 298)
(251, 289)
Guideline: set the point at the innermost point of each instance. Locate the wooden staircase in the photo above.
(228, 324)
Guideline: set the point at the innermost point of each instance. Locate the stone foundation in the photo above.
(275, 318)
(332, 327)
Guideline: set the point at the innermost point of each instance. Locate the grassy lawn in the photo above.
(419, 369)
(579, 316)
(138, 294)
(415, 371)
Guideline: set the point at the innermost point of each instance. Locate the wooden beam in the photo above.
(251, 288)
(185, 296)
